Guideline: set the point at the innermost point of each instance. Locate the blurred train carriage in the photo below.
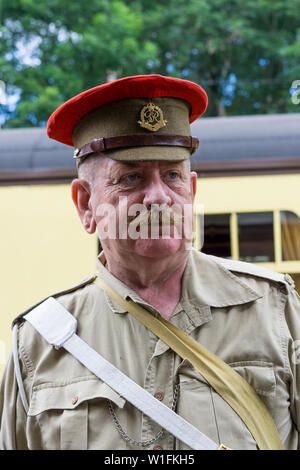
(249, 183)
(248, 188)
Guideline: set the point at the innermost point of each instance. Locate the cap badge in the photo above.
(152, 117)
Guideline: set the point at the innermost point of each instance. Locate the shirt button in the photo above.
(157, 448)
(75, 400)
(159, 396)
(289, 280)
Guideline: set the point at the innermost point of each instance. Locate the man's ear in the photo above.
(81, 195)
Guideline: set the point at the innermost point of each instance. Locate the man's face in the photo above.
(122, 193)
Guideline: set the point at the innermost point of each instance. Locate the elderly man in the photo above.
(132, 144)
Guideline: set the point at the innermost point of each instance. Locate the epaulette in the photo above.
(255, 270)
(87, 280)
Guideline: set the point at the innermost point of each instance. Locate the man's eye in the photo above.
(132, 177)
(173, 175)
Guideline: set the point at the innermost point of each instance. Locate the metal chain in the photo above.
(132, 441)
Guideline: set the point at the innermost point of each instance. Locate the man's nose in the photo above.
(156, 192)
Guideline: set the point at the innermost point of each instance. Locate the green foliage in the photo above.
(242, 51)
(245, 53)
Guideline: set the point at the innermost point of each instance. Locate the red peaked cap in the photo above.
(62, 121)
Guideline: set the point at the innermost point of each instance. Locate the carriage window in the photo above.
(256, 239)
(290, 236)
(250, 236)
(217, 235)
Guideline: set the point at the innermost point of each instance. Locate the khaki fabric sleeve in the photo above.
(12, 413)
(293, 321)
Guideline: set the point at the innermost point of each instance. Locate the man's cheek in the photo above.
(188, 224)
(106, 221)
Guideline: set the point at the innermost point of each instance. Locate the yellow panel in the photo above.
(249, 193)
(277, 236)
(273, 193)
(234, 236)
(44, 249)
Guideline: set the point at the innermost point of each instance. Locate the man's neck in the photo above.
(158, 283)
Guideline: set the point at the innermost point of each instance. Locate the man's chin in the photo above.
(158, 248)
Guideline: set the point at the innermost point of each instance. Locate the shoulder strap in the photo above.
(224, 380)
(255, 270)
(84, 282)
(58, 327)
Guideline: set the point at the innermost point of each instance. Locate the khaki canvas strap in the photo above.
(224, 380)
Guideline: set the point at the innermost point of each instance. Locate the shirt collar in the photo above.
(205, 283)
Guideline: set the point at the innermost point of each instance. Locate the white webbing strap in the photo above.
(58, 327)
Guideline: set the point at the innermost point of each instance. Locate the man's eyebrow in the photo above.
(115, 170)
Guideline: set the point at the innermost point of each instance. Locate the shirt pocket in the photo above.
(200, 405)
(59, 412)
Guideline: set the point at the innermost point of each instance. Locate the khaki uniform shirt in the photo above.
(240, 312)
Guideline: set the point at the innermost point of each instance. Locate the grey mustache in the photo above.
(164, 216)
